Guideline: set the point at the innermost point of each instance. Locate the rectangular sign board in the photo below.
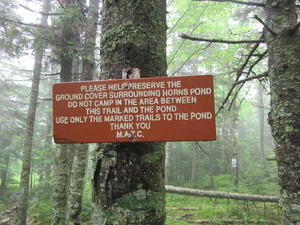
(135, 110)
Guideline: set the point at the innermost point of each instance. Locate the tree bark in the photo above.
(195, 166)
(81, 151)
(284, 73)
(63, 164)
(261, 115)
(128, 183)
(168, 162)
(235, 168)
(21, 215)
(77, 181)
(4, 174)
(219, 194)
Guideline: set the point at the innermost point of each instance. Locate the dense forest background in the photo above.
(235, 162)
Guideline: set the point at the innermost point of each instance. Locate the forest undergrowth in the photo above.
(181, 209)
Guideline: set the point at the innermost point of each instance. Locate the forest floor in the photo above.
(182, 209)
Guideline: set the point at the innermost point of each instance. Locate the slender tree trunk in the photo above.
(261, 113)
(62, 168)
(74, 203)
(4, 174)
(168, 162)
(128, 183)
(45, 169)
(81, 151)
(234, 146)
(88, 64)
(28, 139)
(212, 161)
(284, 72)
(227, 151)
(195, 166)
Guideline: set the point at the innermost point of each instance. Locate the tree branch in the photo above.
(260, 57)
(295, 27)
(265, 25)
(184, 36)
(42, 13)
(265, 74)
(237, 2)
(21, 23)
(239, 74)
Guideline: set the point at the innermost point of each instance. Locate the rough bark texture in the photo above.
(28, 137)
(284, 73)
(128, 183)
(133, 33)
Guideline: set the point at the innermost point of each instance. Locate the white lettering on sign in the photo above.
(131, 108)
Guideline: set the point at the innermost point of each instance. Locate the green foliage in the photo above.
(13, 38)
(206, 208)
(67, 31)
(41, 202)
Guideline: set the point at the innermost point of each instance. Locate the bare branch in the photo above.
(201, 148)
(265, 25)
(258, 4)
(184, 36)
(21, 23)
(239, 74)
(265, 74)
(61, 4)
(295, 27)
(42, 13)
(23, 6)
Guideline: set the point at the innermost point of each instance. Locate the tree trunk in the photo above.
(168, 162)
(28, 139)
(88, 64)
(3, 186)
(62, 165)
(128, 183)
(81, 151)
(74, 203)
(284, 72)
(234, 146)
(261, 114)
(195, 166)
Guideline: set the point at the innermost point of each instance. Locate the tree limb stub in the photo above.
(218, 194)
(258, 4)
(265, 25)
(184, 36)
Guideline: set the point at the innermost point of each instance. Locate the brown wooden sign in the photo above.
(129, 110)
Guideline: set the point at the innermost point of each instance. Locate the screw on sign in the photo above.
(135, 110)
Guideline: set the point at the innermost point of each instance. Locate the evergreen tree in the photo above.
(128, 183)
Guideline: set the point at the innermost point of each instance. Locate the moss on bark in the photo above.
(128, 183)
(284, 73)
